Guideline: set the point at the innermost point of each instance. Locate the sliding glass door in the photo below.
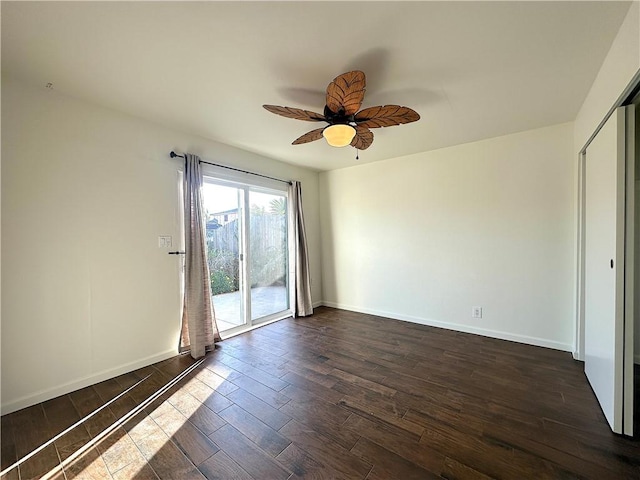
(247, 252)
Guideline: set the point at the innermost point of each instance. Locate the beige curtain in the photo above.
(199, 329)
(302, 305)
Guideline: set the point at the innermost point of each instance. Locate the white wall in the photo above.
(87, 293)
(426, 237)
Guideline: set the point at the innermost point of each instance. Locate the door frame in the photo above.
(237, 179)
(626, 248)
(629, 264)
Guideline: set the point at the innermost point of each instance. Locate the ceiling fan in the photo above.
(347, 125)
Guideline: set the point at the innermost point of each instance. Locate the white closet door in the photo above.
(605, 193)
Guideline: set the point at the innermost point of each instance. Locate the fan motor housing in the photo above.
(337, 118)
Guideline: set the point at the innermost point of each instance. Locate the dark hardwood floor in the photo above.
(336, 395)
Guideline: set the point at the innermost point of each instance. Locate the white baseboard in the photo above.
(318, 304)
(539, 342)
(44, 395)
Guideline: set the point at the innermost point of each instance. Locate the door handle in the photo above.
(176, 253)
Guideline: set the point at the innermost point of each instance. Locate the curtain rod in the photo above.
(174, 154)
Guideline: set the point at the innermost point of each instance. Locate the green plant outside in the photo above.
(221, 283)
(223, 271)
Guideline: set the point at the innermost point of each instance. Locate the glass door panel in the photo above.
(223, 207)
(268, 254)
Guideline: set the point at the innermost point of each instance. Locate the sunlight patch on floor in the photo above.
(113, 442)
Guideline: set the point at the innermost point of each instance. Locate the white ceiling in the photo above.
(472, 70)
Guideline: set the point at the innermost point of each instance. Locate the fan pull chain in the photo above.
(357, 152)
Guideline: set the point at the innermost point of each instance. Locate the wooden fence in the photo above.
(268, 244)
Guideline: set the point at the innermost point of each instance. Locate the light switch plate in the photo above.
(164, 241)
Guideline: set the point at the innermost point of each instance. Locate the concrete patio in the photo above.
(264, 301)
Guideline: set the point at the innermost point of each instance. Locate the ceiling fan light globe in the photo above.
(339, 135)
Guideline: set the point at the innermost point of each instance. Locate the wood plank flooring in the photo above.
(338, 395)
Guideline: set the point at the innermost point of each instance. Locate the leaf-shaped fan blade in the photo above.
(296, 113)
(311, 136)
(363, 138)
(385, 116)
(346, 91)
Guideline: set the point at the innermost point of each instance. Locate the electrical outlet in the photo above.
(476, 312)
